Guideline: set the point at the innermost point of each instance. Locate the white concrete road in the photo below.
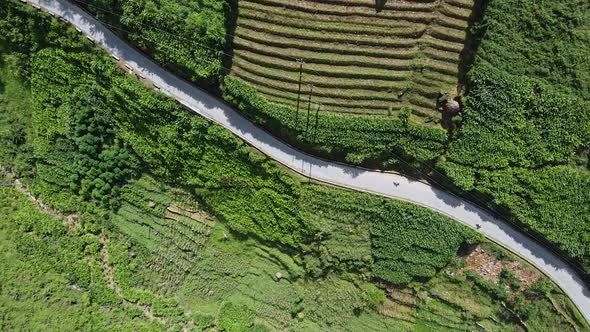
(364, 180)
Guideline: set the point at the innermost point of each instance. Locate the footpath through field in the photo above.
(384, 184)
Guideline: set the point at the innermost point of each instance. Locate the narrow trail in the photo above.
(72, 221)
(107, 270)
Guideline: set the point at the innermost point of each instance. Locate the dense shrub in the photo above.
(355, 139)
(188, 36)
(513, 121)
(411, 243)
(525, 131)
(547, 39)
(498, 292)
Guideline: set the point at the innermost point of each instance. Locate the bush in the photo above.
(188, 36)
(410, 243)
(508, 278)
(498, 292)
(356, 139)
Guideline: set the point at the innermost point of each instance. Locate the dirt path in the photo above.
(107, 270)
(72, 221)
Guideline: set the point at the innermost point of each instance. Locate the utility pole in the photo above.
(299, 93)
(308, 108)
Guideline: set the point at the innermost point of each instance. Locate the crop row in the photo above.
(287, 32)
(390, 28)
(421, 106)
(343, 64)
(304, 25)
(193, 226)
(446, 56)
(262, 77)
(328, 105)
(298, 48)
(367, 5)
(286, 58)
(353, 94)
(318, 80)
(364, 23)
(343, 12)
(175, 233)
(332, 87)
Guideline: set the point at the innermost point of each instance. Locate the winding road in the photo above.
(375, 182)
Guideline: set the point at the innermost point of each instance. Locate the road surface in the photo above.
(380, 183)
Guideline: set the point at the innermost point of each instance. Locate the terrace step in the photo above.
(357, 40)
(317, 80)
(373, 22)
(260, 42)
(304, 24)
(326, 9)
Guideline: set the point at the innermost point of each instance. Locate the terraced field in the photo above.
(359, 58)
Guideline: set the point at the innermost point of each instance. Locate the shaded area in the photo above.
(379, 5)
(475, 33)
(231, 20)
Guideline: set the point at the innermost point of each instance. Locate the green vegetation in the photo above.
(370, 105)
(187, 36)
(525, 133)
(359, 58)
(544, 39)
(356, 139)
(192, 226)
(521, 145)
(52, 281)
(415, 246)
(232, 285)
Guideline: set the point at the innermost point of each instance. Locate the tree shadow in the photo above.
(475, 33)
(379, 5)
(231, 14)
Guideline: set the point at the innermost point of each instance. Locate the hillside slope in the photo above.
(190, 225)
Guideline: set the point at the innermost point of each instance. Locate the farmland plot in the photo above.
(360, 59)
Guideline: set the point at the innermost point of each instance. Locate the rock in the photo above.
(151, 204)
(452, 106)
(278, 276)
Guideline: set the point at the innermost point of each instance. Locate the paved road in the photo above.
(369, 181)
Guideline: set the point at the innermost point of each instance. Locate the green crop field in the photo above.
(360, 58)
(520, 145)
(164, 221)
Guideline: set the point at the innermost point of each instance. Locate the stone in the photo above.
(452, 106)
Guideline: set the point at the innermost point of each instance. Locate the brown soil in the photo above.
(174, 210)
(489, 267)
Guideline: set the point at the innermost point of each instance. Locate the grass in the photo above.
(52, 281)
(234, 271)
(169, 254)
